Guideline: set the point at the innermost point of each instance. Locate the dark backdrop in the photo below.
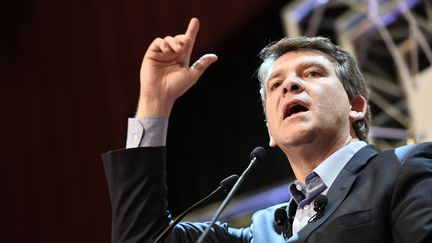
(69, 73)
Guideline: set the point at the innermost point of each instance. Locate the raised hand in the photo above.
(166, 73)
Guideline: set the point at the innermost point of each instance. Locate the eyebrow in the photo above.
(308, 64)
(273, 75)
(303, 65)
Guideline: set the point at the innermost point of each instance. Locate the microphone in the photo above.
(224, 186)
(320, 204)
(282, 220)
(280, 216)
(256, 155)
(285, 220)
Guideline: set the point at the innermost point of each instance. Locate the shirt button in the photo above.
(135, 136)
(298, 187)
(306, 207)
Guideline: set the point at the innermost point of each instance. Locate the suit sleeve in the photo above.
(136, 184)
(137, 187)
(412, 198)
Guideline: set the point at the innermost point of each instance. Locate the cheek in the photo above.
(333, 101)
(340, 105)
(270, 107)
(271, 114)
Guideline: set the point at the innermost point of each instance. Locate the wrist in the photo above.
(149, 106)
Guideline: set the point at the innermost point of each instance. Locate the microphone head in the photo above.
(229, 182)
(258, 152)
(320, 202)
(280, 216)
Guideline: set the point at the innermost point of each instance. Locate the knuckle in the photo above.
(158, 42)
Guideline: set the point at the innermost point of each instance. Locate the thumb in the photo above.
(202, 64)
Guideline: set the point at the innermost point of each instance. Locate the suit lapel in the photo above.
(340, 187)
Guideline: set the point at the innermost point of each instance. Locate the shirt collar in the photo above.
(330, 168)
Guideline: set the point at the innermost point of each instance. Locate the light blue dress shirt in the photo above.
(147, 132)
(328, 170)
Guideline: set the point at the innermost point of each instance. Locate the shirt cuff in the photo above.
(147, 132)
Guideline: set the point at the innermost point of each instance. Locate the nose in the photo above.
(292, 86)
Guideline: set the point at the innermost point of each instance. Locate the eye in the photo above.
(275, 84)
(314, 74)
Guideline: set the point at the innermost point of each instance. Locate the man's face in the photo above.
(305, 100)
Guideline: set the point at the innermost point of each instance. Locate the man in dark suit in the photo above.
(315, 101)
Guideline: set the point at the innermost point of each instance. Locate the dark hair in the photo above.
(346, 70)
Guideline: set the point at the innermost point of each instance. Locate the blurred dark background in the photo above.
(70, 79)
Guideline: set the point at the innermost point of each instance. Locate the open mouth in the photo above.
(294, 109)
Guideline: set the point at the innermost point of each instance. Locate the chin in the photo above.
(295, 141)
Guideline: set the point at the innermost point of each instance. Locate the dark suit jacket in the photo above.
(377, 197)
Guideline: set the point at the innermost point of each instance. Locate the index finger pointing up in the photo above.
(192, 29)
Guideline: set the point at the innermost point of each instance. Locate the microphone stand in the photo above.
(228, 198)
(224, 186)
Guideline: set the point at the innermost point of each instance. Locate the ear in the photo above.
(358, 108)
(272, 142)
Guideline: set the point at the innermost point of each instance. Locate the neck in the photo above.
(305, 158)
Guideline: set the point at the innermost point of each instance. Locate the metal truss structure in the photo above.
(391, 40)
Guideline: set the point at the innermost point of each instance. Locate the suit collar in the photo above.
(359, 160)
(341, 186)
